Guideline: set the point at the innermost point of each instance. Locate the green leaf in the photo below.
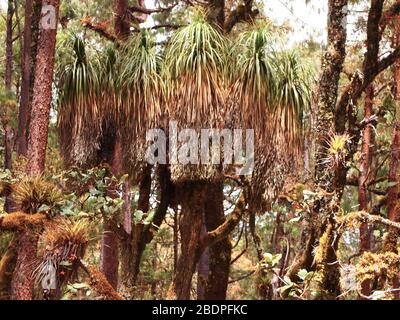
(302, 274)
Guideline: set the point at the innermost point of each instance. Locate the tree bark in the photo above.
(203, 269)
(110, 259)
(220, 252)
(31, 28)
(328, 179)
(121, 20)
(109, 245)
(9, 46)
(191, 223)
(42, 92)
(8, 132)
(22, 281)
(365, 162)
(390, 244)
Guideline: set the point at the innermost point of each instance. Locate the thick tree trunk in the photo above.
(132, 246)
(219, 253)
(22, 281)
(42, 96)
(193, 198)
(363, 196)
(109, 245)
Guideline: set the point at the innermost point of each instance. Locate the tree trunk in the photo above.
(9, 46)
(132, 247)
(190, 226)
(8, 132)
(31, 28)
(390, 244)
(121, 20)
(110, 259)
(219, 253)
(330, 180)
(365, 162)
(42, 91)
(22, 282)
(203, 269)
(109, 245)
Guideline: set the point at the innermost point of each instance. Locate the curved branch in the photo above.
(227, 227)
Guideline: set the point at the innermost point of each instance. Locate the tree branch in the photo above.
(243, 12)
(100, 28)
(19, 221)
(227, 227)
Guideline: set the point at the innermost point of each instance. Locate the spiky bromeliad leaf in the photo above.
(196, 63)
(140, 83)
(64, 244)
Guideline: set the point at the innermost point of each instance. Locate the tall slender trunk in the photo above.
(30, 30)
(22, 282)
(109, 247)
(328, 180)
(8, 132)
(9, 46)
(42, 90)
(365, 162)
(390, 244)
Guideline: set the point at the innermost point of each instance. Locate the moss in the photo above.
(322, 249)
(19, 221)
(100, 284)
